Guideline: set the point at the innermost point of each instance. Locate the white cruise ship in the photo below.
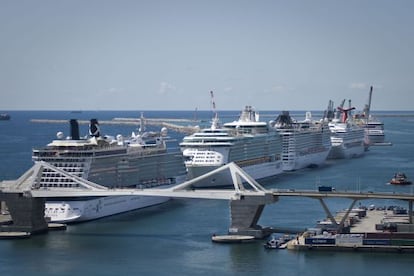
(248, 142)
(140, 161)
(348, 139)
(374, 131)
(374, 128)
(305, 143)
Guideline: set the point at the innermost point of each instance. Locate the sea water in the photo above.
(175, 238)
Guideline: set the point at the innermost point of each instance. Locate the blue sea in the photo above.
(175, 238)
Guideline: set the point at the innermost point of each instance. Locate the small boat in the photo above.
(273, 243)
(277, 243)
(400, 179)
(4, 117)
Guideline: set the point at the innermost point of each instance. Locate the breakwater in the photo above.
(162, 122)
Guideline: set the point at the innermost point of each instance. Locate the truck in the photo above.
(326, 189)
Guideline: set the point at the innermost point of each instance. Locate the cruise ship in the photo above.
(374, 128)
(348, 139)
(248, 142)
(305, 143)
(139, 161)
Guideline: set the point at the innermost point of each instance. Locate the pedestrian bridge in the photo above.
(246, 196)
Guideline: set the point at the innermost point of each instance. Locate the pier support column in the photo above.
(27, 213)
(328, 213)
(345, 217)
(410, 212)
(246, 212)
(3, 207)
(340, 225)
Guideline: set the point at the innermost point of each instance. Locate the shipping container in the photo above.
(405, 227)
(402, 242)
(390, 235)
(349, 239)
(376, 242)
(320, 241)
(325, 189)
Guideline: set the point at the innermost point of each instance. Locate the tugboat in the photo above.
(400, 179)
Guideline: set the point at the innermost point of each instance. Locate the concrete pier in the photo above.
(246, 212)
(27, 213)
(367, 224)
(364, 235)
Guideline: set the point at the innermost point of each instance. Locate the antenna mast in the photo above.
(369, 103)
(214, 123)
(141, 123)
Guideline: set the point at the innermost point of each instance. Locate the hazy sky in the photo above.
(168, 55)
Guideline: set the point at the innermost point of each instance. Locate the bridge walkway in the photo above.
(247, 197)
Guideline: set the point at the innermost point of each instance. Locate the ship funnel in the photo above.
(94, 130)
(74, 129)
(284, 120)
(308, 116)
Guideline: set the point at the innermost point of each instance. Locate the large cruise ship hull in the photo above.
(70, 211)
(375, 137)
(342, 152)
(302, 149)
(222, 179)
(348, 141)
(305, 143)
(77, 210)
(306, 161)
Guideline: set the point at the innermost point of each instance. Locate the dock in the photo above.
(366, 235)
(367, 224)
(6, 219)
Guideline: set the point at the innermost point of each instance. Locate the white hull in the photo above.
(83, 210)
(305, 143)
(78, 210)
(340, 152)
(348, 141)
(375, 138)
(309, 160)
(223, 179)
